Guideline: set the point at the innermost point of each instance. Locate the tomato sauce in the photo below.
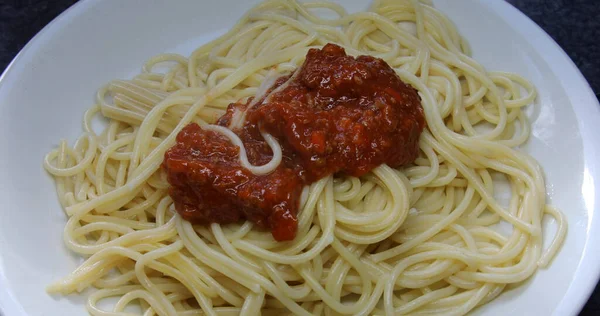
(336, 115)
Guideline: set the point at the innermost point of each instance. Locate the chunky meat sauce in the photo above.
(337, 115)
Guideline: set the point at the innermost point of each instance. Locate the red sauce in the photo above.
(338, 115)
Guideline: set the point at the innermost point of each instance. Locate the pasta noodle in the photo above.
(422, 239)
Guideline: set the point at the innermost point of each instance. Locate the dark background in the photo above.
(574, 25)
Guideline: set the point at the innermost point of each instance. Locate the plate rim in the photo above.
(586, 109)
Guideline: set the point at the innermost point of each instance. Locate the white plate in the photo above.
(46, 89)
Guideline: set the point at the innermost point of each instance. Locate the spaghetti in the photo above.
(422, 239)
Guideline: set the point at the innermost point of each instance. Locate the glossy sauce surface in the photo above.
(335, 115)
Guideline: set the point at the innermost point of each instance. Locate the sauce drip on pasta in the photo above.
(335, 115)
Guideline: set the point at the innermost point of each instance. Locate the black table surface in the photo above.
(574, 25)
